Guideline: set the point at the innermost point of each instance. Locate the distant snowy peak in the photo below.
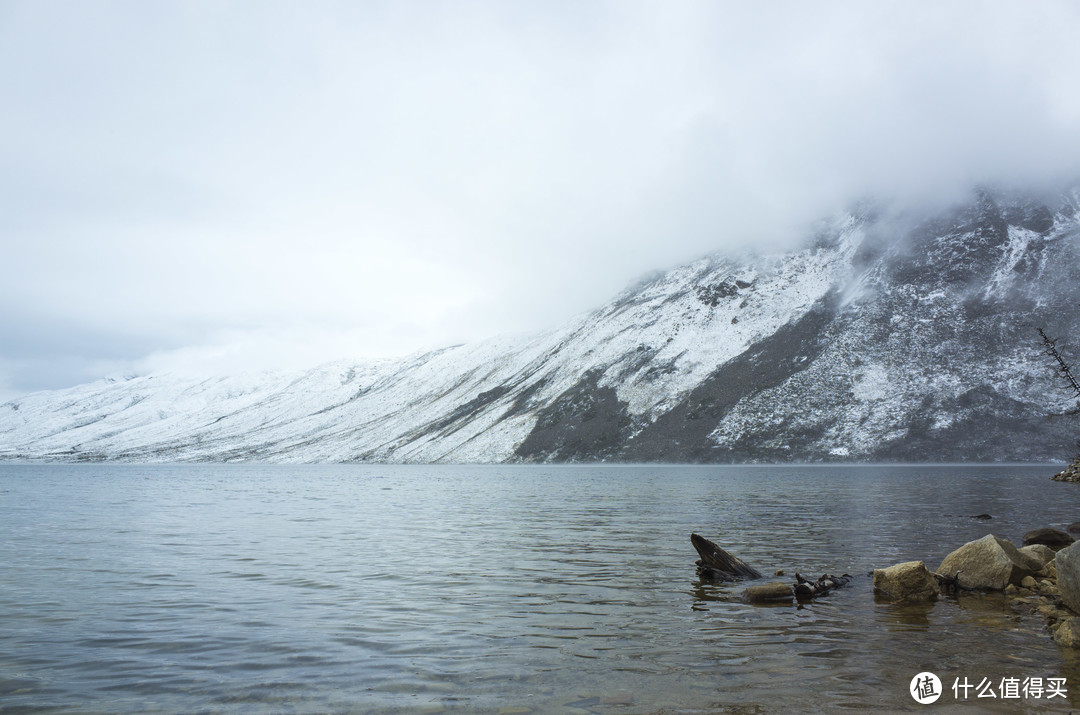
(883, 337)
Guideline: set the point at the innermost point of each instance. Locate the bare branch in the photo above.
(1063, 367)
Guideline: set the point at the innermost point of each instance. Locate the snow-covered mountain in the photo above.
(883, 338)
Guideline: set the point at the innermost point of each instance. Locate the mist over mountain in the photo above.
(906, 337)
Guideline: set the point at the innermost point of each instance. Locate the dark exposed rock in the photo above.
(1054, 538)
(681, 434)
(586, 422)
(1031, 216)
(712, 295)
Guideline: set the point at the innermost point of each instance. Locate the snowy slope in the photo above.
(895, 339)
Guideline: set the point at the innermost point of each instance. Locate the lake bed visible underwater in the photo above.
(516, 588)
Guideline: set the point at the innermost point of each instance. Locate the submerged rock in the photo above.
(1054, 538)
(909, 581)
(776, 591)
(988, 563)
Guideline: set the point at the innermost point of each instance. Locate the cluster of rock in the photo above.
(1071, 473)
(1044, 573)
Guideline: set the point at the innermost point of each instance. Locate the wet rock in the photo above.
(909, 581)
(1071, 473)
(1054, 613)
(988, 563)
(1043, 553)
(1054, 538)
(1068, 633)
(1067, 563)
(1073, 528)
(982, 517)
(769, 592)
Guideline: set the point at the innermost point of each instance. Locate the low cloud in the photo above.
(193, 174)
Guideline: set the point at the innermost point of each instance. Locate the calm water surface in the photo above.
(521, 589)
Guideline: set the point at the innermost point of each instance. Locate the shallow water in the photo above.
(542, 589)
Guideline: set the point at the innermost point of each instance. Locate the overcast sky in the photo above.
(218, 185)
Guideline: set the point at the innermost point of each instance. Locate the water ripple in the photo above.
(315, 589)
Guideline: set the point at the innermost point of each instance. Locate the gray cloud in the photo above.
(389, 176)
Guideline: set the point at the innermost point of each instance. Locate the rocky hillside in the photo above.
(883, 338)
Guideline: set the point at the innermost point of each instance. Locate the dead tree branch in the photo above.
(1050, 348)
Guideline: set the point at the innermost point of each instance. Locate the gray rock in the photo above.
(909, 581)
(1067, 562)
(1073, 528)
(988, 563)
(1054, 538)
(1043, 553)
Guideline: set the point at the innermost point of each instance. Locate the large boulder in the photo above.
(909, 581)
(988, 563)
(1054, 538)
(1042, 553)
(1067, 562)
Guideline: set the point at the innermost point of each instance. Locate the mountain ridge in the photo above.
(881, 338)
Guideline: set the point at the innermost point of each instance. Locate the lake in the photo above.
(500, 588)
